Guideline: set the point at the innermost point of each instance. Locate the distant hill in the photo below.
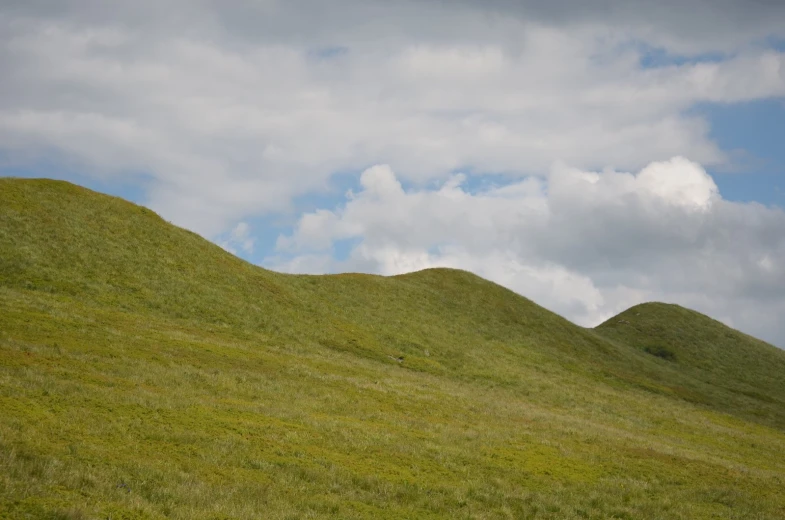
(718, 366)
(147, 373)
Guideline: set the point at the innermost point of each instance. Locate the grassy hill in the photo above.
(145, 373)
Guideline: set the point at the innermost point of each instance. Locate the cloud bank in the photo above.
(585, 244)
(230, 109)
(225, 112)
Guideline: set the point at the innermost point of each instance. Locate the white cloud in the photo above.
(585, 244)
(679, 182)
(224, 111)
(230, 111)
(239, 238)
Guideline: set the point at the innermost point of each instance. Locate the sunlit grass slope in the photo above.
(146, 373)
(715, 365)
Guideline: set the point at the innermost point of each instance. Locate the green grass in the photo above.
(146, 373)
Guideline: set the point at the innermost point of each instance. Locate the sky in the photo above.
(587, 154)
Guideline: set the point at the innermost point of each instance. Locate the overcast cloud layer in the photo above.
(223, 111)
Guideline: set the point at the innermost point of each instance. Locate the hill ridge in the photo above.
(134, 352)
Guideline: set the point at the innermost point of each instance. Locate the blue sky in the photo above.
(753, 132)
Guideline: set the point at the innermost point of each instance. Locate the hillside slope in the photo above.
(146, 373)
(727, 368)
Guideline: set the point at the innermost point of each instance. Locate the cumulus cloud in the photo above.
(231, 110)
(585, 244)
